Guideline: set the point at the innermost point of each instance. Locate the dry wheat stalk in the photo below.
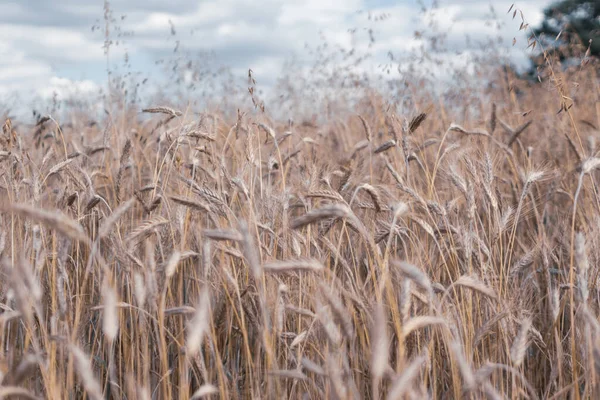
(288, 374)
(312, 366)
(190, 203)
(223, 235)
(9, 391)
(198, 327)
(367, 129)
(493, 119)
(163, 110)
(475, 284)
(86, 374)
(379, 346)
(112, 219)
(521, 342)
(416, 122)
(331, 211)
(204, 391)
(402, 383)
(339, 312)
(420, 322)
(125, 153)
(309, 265)
(110, 320)
(385, 146)
(145, 229)
(53, 220)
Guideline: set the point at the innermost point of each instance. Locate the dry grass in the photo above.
(241, 258)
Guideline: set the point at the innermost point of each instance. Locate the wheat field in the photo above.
(452, 251)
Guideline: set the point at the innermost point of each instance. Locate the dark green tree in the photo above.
(572, 21)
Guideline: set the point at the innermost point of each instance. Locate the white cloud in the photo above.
(52, 42)
(317, 12)
(16, 68)
(16, 65)
(66, 89)
(49, 46)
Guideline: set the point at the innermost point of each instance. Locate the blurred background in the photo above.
(72, 52)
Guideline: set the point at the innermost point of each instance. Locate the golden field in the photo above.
(449, 251)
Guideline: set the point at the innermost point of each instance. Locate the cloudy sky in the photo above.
(52, 47)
